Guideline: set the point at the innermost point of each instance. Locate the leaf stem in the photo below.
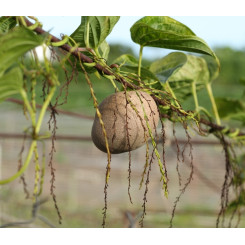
(37, 172)
(22, 20)
(140, 60)
(87, 33)
(28, 106)
(172, 94)
(97, 52)
(44, 108)
(215, 110)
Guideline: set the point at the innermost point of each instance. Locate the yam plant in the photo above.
(145, 98)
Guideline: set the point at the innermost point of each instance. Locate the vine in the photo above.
(87, 53)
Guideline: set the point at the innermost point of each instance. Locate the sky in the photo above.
(215, 30)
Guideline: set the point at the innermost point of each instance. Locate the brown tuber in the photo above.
(125, 133)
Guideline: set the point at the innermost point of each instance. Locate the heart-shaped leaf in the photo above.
(165, 67)
(7, 23)
(93, 30)
(16, 43)
(11, 83)
(165, 32)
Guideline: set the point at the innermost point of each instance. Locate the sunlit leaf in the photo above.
(165, 32)
(11, 83)
(16, 43)
(99, 28)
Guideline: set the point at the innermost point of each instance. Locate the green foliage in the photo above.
(194, 70)
(232, 65)
(16, 43)
(7, 23)
(242, 81)
(93, 30)
(168, 65)
(239, 201)
(117, 50)
(104, 49)
(165, 32)
(11, 83)
(170, 80)
(231, 109)
(130, 63)
(91, 33)
(13, 45)
(213, 67)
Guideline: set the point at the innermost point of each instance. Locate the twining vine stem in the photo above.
(106, 71)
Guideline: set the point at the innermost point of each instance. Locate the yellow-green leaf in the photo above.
(93, 30)
(14, 44)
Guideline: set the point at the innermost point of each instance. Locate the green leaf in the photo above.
(11, 83)
(231, 109)
(97, 28)
(168, 65)
(238, 117)
(194, 70)
(104, 49)
(127, 59)
(165, 32)
(130, 63)
(15, 44)
(7, 23)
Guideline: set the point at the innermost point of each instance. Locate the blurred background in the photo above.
(80, 166)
